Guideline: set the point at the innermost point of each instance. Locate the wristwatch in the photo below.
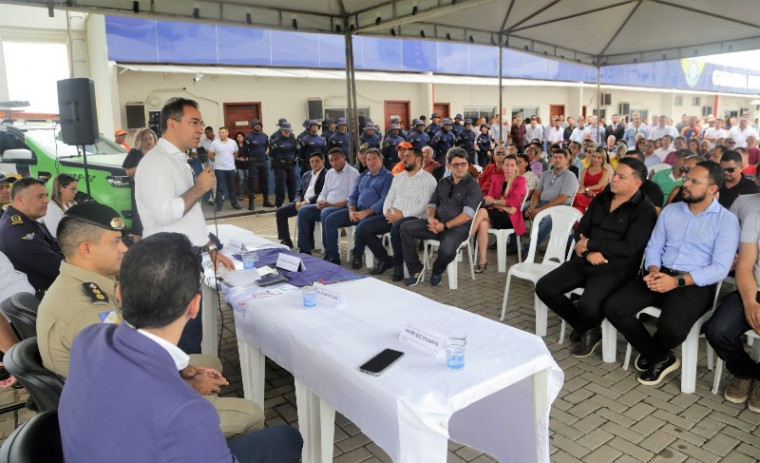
(445, 227)
(681, 281)
(209, 248)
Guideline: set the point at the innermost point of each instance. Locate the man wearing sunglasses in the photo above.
(449, 213)
(734, 183)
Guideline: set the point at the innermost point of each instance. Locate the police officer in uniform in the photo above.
(484, 145)
(417, 136)
(466, 139)
(401, 130)
(389, 151)
(277, 134)
(84, 294)
(340, 138)
(457, 127)
(305, 131)
(328, 129)
(370, 136)
(434, 127)
(5, 191)
(311, 143)
(255, 145)
(443, 141)
(26, 242)
(282, 152)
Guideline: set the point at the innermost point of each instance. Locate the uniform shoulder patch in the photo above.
(110, 317)
(16, 220)
(28, 236)
(94, 291)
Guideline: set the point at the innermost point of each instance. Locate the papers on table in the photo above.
(241, 278)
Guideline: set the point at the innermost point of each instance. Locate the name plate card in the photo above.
(289, 262)
(235, 247)
(329, 296)
(429, 341)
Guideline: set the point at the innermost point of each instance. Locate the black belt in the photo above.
(671, 272)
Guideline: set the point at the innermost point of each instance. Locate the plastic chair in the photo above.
(752, 339)
(21, 310)
(369, 258)
(502, 235)
(563, 219)
(451, 269)
(689, 348)
(37, 440)
(24, 362)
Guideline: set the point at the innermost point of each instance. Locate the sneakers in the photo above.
(435, 280)
(589, 340)
(657, 371)
(415, 278)
(641, 364)
(738, 389)
(754, 397)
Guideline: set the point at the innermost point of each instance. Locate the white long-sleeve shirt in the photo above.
(338, 185)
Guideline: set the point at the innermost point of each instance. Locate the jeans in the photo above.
(277, 444)
(447, 251)
(331, 223)
(225, 181)
(371, 231)
(242, 180)
(724, 331)
(307, 216)
(197, 166)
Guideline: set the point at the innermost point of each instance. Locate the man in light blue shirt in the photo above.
(366, 199)
(691, 249)
(339, 183)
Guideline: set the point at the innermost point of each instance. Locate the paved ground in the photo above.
(601, 415)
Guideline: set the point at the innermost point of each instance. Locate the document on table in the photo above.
(241, 278)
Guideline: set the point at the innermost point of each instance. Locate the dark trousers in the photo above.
(681, 307)
(307, 217)
(447, 251)
(192, 333)
(284, 176)
(283, 214)
(277, 444)
(258, 171)
(598, 284)
(724, 332)
(371, 231)
(225, 184)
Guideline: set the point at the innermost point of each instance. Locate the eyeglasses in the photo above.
(684, 170)
(729, 170)
(458, 164)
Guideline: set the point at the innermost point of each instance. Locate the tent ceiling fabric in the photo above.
(603, 32)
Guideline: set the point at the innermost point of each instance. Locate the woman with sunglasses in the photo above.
(64, 190)
(502, 207)
(592, 180)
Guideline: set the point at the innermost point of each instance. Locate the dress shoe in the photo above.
(237, 207)
(356, 262)
(589, 340)
(251, 208)
(267, 204)
(398, 273)
(574, 335)
(334, 260)
(381, 267)
(287, 243)
(658, 370)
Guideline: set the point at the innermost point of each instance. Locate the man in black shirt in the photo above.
(610, 240)
(734, 183)
(449, 213)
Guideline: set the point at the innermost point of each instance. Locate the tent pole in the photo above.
(501, 90)
(351, 112)
(598, 104)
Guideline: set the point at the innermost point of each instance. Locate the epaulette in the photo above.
(94, 291)
(16, 220)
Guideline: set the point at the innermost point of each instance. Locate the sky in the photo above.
(742, 59)
(33, 70)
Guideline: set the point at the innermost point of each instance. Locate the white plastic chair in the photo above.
(563, 219)
(369, 258)
(689, 348)
(752, 337)
(451, 269)
(502, 235)
(317, 234)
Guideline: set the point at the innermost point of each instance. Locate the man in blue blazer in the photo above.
(311, 185)
(124, 399)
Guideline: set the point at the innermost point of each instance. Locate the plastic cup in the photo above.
(455, 353)
(309, 297)
(249, 259)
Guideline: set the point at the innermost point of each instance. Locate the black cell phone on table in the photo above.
(381, 362)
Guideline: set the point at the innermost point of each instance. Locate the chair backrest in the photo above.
(23, 361)
(21, 310)
(37, 440)
(563, 219)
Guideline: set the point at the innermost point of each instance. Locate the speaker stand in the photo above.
(86, 171)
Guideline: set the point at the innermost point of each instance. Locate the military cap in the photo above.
(395, 120)
(286, 126)
(97, 214)
(468, 121)
(434, 115)
(9, 179)
(458, 116)
(395, 127)
(446, 121)
(281, 121)
(255, 122)
(342, 121)
(419, 122)
(307, 123)
(485, 125)
(363, 147)
(369, 125)
(310, 122)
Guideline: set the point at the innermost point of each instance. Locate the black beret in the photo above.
(97, 214)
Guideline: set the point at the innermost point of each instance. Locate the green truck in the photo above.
(36, 150)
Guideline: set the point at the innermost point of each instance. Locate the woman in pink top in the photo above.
(502, 208)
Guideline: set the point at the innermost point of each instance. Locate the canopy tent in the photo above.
(592, 32)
